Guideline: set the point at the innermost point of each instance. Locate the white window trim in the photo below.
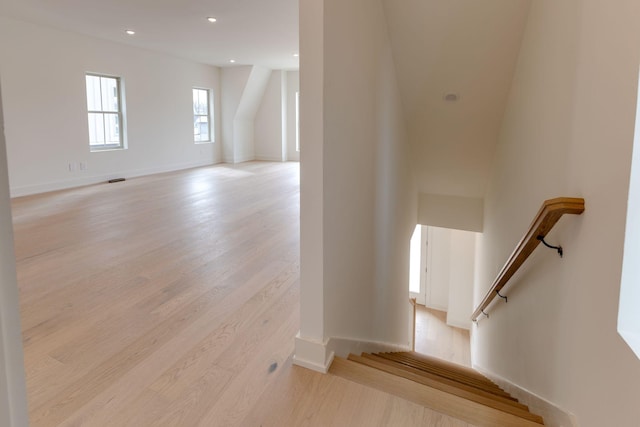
(122, 145)
(209, 115)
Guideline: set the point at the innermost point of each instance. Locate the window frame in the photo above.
(121, 145)
(210, 136)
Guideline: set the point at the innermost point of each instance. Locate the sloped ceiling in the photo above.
(254, 32)
(467, 47)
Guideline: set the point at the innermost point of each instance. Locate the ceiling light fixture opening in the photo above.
(212, 19)
(451, 97)
(296, 55)
(233, 61)
(130, 32)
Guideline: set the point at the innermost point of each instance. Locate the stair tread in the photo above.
(472, 412)
(461, 375)
(444, 364)
(492, 391)
(462, 390)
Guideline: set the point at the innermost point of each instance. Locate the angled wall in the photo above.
(233, 82)
(568, 130)
(243, 90)
(270, 122)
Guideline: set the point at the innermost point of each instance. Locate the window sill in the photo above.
(100, 150)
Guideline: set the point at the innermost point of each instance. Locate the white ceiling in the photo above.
(253, 32)
(469, 47)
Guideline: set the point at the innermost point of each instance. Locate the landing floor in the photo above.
(435, 338)
(173, 300)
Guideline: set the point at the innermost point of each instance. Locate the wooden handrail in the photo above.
(547, 216)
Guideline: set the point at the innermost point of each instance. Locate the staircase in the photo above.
(445, 387)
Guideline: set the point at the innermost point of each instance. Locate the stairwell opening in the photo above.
(442, 277)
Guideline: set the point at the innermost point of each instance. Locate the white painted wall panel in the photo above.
(568, 130)
(45, 108)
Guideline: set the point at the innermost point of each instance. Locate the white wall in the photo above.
(245, 117)
(451, 257)
(275, 123)
(356, 173)
(461, 278)
(45, 108)
(568, 130)
(268, 122)
(311, 346)
(293, 86)
(13, 396)
(251, 114)
(461, 213)
(438, 268)
(233, 82)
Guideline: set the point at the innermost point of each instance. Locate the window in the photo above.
(104, 105)
(201, 128)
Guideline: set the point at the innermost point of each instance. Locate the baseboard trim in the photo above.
(553, 415)
(269, 159)
(312, 354)
(318, 355)
(28, 190)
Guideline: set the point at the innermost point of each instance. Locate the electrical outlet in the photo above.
(72, 166)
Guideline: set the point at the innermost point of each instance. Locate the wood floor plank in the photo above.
(168, 300)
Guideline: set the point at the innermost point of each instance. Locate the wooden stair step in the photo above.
(443, 364)
(497, 393)
(469, 411)
(443, 384)
(460, 376)
(446, 366)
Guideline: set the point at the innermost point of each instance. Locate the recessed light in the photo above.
(233, 61)
(130, 32)
(296, 55)
(451, 97)
(212, 19)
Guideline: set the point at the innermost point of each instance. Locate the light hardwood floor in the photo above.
(435, 338)
(173, 300)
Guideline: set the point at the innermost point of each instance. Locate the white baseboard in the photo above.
(312, 354)
(269, 159)
(553, 415)
(318, 355)
(244, 159)
(80, 181)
